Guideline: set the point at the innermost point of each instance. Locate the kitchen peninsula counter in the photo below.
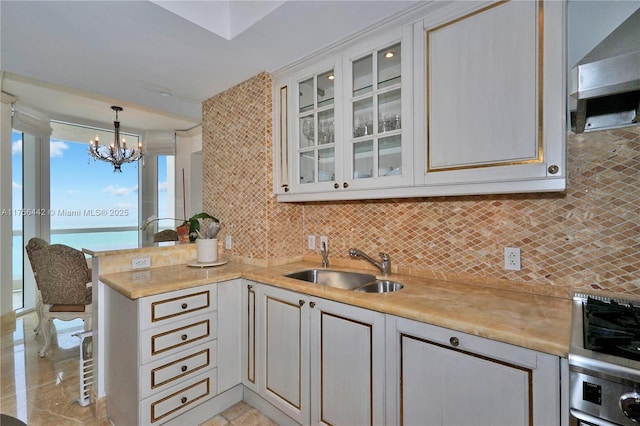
(537, 322)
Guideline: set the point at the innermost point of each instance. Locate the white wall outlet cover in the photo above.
(141, 262)
(512, 258)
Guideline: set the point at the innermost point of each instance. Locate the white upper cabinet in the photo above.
(456, 98)
(494, 103)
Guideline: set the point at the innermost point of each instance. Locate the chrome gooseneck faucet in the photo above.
(325, 255)
(384, 265)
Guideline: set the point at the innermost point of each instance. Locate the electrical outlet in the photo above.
(141, 262)
(324, 239)
(227, 242)
(512, 258)
(311, 242)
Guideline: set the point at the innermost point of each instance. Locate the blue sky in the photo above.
(78, 183)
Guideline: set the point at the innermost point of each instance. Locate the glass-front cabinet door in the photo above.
(376, 147)
(315, 131)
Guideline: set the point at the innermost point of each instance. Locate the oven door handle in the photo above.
(588, 418)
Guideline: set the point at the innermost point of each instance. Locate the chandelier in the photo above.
(117, 153)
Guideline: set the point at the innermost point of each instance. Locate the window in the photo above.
(17, 204)
(90, 205)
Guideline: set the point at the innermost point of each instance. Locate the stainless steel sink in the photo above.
(380, 286)
(336, 279)
(365, 283)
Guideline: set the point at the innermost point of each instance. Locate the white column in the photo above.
(6, 233)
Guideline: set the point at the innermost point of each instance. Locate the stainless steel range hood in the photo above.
(606, 82)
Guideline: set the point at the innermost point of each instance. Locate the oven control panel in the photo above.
(592, 392)
(605, 400)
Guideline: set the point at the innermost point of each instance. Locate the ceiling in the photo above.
(161, 59)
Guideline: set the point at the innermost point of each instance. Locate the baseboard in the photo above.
(256, 401)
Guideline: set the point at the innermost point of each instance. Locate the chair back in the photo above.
(32, 246)
(61, 274)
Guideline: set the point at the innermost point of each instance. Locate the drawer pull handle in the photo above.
(183, 368)
(454, 342)
(183, 337)
(301, 302)
(183, 399)
(312, 304)
(184, 306)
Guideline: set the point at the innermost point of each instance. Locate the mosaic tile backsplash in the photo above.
(587, 238)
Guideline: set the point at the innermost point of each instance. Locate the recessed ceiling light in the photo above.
(331, 77)
(389, 54)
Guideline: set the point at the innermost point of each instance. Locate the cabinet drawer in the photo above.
(180, 304)
(178, 399)
(176, 337)
(171, 371)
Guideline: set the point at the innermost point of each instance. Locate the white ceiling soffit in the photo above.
(224, 18)
(69, 105)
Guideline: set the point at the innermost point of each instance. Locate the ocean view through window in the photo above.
(90, 205)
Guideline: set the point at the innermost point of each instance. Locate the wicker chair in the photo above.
(62, 277)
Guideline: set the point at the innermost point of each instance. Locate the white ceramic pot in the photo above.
(207, 250)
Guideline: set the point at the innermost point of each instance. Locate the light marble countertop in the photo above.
(532, 321)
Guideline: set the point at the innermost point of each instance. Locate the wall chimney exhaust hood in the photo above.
(606, 82)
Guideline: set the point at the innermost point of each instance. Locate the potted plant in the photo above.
(195, 226)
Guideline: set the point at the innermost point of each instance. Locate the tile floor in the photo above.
(44, 391)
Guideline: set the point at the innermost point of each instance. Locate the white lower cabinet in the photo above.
(165, 354)
(318, 361)
(347, 364)
(283, 351)
(437, 376)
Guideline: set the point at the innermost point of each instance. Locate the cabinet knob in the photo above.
(454, 341)
(345, 185)
(553, 169)
(336, 185)
(183, 399)
(285, 187)
(184, 337)
(183, 368)
(300, 302)
(312, 304)
(249, 286)
(184, 306)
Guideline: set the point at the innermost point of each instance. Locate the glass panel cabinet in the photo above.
(316, 129)
(376, 118)
(345, 121)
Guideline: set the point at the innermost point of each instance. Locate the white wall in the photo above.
(590, 22)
